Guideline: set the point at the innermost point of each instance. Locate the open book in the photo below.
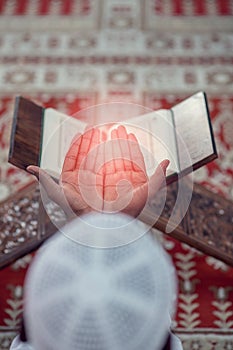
(182, 134)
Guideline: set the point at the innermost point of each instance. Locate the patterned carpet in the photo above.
(76, 53)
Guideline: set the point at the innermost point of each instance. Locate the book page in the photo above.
(155, 134)
(192, 124)
(58, 133)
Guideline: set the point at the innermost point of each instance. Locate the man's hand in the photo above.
(67, 194)
(81, 178)
(104, 176)
(126, 184)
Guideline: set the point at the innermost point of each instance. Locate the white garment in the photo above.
(18, 345)
(176, 343)
(95, 289)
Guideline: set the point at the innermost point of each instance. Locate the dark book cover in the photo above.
(26, 134)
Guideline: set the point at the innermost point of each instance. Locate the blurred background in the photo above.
(73, 54)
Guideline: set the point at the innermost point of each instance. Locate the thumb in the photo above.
(164, 165)
(158, 179)
(34, 170)
(51, 187)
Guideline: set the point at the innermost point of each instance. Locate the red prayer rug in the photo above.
(73, 54)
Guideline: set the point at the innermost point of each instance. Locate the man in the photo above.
(99, 179)
(88, 298)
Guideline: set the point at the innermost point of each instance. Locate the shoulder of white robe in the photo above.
(17, 344)
(176, 343)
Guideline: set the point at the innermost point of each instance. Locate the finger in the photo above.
(109, 161)
(34, 170)
(98, 162)
(104, 136)
(122, 133)
(90, 159)
(136, 153)
(68, 200)
(51, 187)
(117, 152)
(84, 147)
(71, 155)
(98, 172)
(158, 179)
(125, 149)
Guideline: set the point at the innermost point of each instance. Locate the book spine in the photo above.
(41, 133)
(175, 135)
(210, 127)
(13, 128)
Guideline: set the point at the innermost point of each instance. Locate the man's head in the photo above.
(85, 298)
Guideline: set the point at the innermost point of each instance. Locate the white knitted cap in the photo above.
(83, 298)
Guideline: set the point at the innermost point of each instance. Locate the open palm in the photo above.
(125, 179)
(105, 176)
(81, 179)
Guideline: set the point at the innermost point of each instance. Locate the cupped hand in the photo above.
(67, 193)
(105, 176)
(126, 184)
